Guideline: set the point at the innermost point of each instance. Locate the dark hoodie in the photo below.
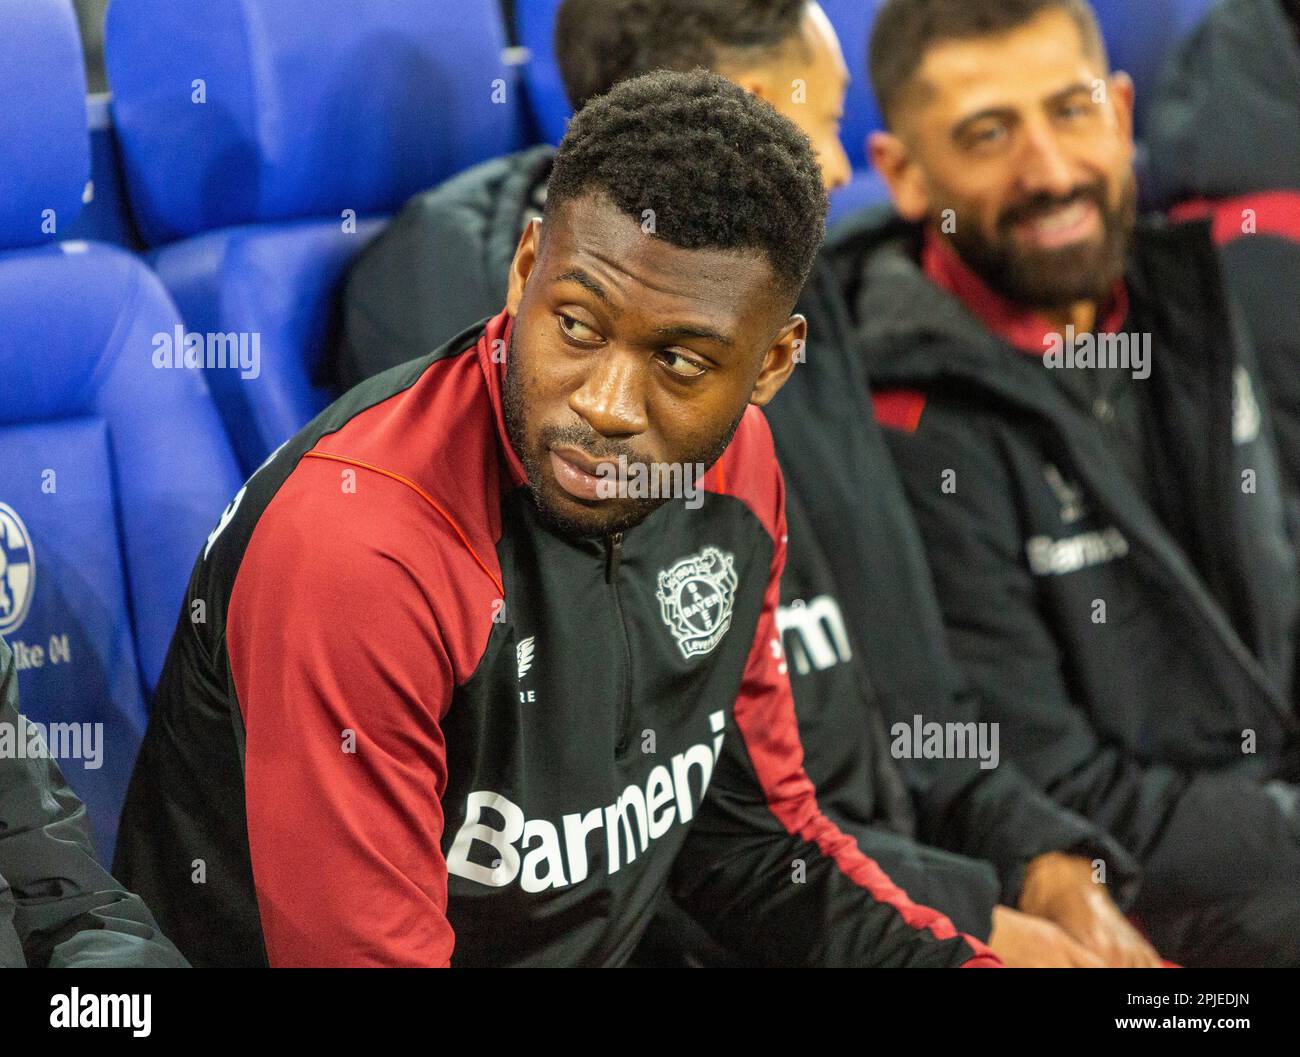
(1096, 634)
(58, 907)
(1224, 139)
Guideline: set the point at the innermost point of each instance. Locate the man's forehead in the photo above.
(1028, 64)
(593, 235)
(824, 43)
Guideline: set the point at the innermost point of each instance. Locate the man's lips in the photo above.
(578, 473)
(1064, 225)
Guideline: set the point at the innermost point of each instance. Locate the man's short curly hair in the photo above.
(601, 42)
(719, 168)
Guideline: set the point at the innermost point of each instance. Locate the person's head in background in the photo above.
(1008, 134)
(652, 302)
(783, 51)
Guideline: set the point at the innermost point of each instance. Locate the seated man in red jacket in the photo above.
(469, 692)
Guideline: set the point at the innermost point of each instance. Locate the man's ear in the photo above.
(522, 266)
(785, 352)
(893, 160)
(1122, 95)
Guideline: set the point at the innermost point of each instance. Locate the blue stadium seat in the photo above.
(1140, 34)
(865, 189)
(111, 472)
(106, 216)
(535, 23)
(535, 27)
(266, 142)
(853, 20)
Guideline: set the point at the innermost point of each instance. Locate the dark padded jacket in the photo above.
(1224, 138)
(866, 643)
(1162, 714)
(58, 906)
(440, 265)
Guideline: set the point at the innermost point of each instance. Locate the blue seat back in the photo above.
(263, 145)
(112, 472)
(1140, 34)
(535, 26)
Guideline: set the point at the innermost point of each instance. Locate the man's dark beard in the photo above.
(581, 436)
(1052, 279)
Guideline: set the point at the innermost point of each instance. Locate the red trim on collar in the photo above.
(899, 409)
(1277, 213)
(494, 371)
(1020, 327)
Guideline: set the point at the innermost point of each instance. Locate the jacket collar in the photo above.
(493, 349)
(1019, 326)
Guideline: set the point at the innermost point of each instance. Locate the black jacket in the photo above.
(416, 726)
(1224, 138)
(1137, 720)
(441, 265)
(856, 564)
(58, 906)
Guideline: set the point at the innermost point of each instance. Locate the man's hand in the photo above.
(1024, 942)
(1061, 889)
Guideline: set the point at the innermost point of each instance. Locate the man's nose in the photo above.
(1044, 165)
(612, 398)
(837, 170)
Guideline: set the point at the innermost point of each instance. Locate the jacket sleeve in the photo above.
(58, 907)
(999, 816)
(765, 871)
(344, 759)
(1165, 818)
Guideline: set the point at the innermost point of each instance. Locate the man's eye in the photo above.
(576, 329)
(987, 135)
(681, 365)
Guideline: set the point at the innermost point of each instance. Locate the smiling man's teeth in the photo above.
(1062, 218)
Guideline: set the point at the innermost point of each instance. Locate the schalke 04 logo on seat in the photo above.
(17, 570)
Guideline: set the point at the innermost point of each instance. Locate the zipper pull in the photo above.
(613, 556)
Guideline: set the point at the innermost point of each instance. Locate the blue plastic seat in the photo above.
(535, 27)
(269, 140)
(853, 20)
(112, 472)
(1140, 34)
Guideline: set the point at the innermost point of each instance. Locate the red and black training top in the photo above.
(404, 723)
